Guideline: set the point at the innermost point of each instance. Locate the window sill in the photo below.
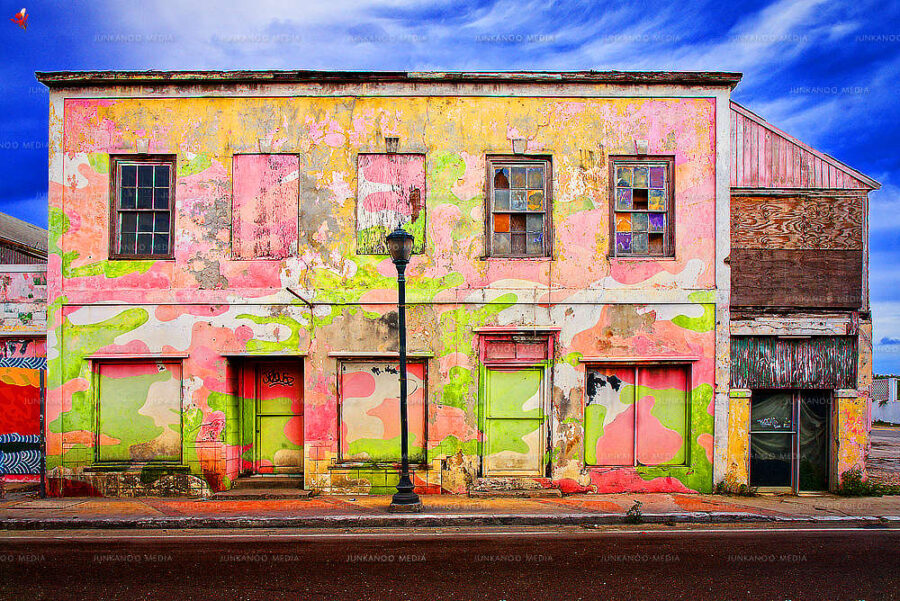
(628, 259)
(363, 465)
(535, 259)
(141, 258)
(138, 467)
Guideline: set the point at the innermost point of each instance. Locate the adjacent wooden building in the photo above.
(801, 344)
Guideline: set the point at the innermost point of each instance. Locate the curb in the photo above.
(420, 521)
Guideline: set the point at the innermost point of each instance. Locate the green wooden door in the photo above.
(279, 418)
(513, 422)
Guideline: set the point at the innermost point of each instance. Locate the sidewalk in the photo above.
(21, 512)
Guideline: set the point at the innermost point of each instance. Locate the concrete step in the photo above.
(258, 494)
(518, 494)
(513, 487)
(269, 482)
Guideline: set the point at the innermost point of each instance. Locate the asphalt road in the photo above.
(721, 564)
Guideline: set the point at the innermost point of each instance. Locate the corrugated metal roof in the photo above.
(763, 156)
(23, 234)
(67, 79)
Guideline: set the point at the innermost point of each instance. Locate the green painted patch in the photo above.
(378, 450)
(704, 323)
(193, 166)
(99, 162)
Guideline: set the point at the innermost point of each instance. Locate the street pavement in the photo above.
(509, 564)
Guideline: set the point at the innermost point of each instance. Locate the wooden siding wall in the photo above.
(764, 157)
(770, 362)
(800, 250)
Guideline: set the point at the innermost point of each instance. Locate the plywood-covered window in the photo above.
(143, 199)
(138, 411)
(266, 190)
(636, 415)
(518, 207)
(370, 411)
(643, 207)
(390, 192)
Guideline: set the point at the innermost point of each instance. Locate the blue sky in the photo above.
(825, 72)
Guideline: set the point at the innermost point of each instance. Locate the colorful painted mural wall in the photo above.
(23, 349)
(280, 208)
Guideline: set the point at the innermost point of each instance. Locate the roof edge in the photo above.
(74, 79)
(837, 164)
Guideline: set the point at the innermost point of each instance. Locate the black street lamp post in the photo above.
(399, 243)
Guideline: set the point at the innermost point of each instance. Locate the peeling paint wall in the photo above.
(206, 305)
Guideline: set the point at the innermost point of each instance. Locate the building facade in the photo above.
(222, 307)
(23, 347)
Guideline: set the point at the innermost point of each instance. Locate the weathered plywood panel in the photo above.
(139, 411)
(265, 207)
(797, 222)
(391, 192)
(796, 278)
(770, 362)
(370, 411)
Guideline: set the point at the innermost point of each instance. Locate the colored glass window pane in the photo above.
(501, 222)
(641, 177)
(536, 200)
(657, 177)
(657, 200)
(623, 222)
(623, 176)
(623, 199)
(501, 200)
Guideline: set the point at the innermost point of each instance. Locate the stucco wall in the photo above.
(203, 305)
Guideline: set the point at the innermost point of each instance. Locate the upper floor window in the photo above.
(643, 209)
(141, 214)
(518, 207)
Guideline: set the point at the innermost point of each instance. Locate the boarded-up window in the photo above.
(390, 192)
(139, 411)
(370, 411)
(636, 416)
(265, 206)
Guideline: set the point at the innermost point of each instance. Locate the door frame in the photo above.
(249, 400)
(487, 363)
(794, 486)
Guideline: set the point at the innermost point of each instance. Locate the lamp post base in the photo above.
(405, 507)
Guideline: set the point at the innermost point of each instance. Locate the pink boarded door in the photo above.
(279, 418)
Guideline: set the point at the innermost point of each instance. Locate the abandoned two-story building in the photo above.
(615, 285)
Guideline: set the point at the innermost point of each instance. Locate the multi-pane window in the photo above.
(643, 207)
(142, 208)
(518, 207)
